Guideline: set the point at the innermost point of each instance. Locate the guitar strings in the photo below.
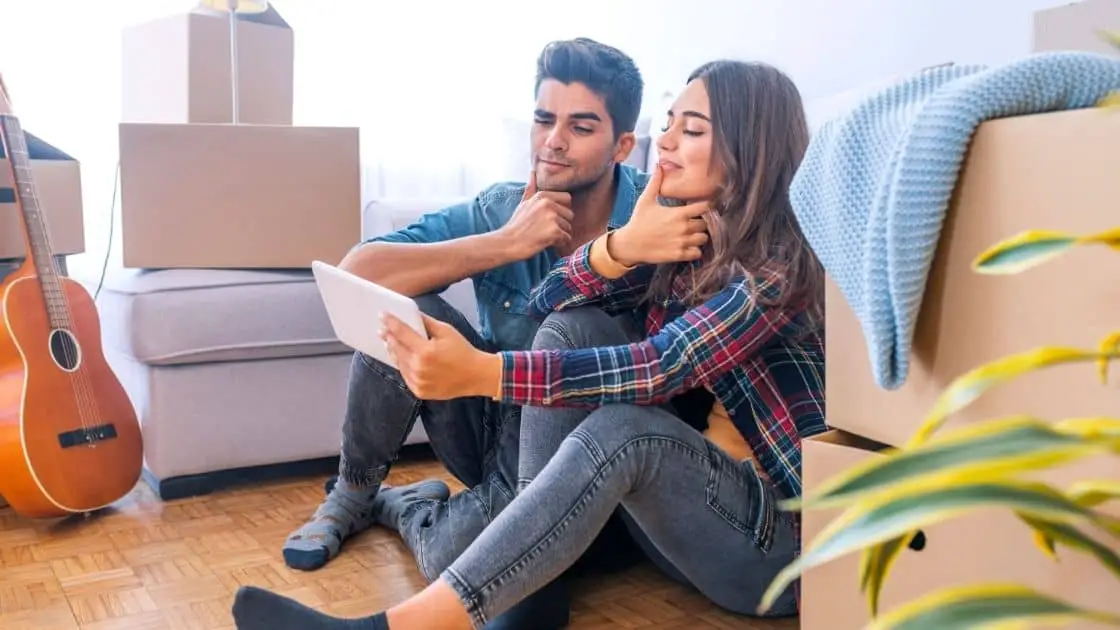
(81, 395)
(81, 386)
(72, 351)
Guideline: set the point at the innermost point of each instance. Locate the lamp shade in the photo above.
(238, 6)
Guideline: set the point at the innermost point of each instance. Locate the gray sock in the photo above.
(346, 511)
(392, 503)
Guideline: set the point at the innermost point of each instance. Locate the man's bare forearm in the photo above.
(417, 268)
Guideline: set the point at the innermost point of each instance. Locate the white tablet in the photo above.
(355, 305)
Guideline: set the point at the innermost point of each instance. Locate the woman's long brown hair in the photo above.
(759, 138)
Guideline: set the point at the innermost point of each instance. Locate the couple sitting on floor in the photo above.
(649, 359)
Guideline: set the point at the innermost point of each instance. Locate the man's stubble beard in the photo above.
(580, 185)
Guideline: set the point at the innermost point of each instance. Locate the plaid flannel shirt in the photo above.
(771, 385)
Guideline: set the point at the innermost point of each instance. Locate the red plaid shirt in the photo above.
(770, 380)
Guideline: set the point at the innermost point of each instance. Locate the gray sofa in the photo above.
(236, 375)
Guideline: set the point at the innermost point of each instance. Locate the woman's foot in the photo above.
(257, 609)
(437, 606)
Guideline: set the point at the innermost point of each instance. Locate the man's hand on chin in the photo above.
(445, 365)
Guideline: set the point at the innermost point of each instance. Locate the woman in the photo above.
(733, 308)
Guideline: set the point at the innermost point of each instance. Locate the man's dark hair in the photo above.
(605, 70)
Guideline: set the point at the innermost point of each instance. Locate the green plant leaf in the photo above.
(1089, 427)
(1069, 536)
(875, 566)
(1033, 247)
(987, 606)
(1112, 37)
(1042, 539)
(1093, 493)
(989, 450)
(1087, 494)
(1023, 251)
(972, 384)
(887, 515)
(1110, 344)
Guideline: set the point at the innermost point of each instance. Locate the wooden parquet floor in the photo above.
(151, 565)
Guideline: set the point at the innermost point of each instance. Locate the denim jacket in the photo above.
(503, 292)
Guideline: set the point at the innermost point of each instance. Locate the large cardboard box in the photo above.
(177, 69)
(238, 196)
(985, 546)
(1076, 26)
(1054, 171)
(58, 184)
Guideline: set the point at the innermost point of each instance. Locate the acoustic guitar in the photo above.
(70, 441)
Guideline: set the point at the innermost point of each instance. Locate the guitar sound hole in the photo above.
(65, 350)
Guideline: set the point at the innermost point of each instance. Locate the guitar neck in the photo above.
(35, 231)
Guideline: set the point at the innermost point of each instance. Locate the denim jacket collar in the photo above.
(631, 183)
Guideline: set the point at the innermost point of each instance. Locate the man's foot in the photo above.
(346, 511)
(257, 609)
(392, 503)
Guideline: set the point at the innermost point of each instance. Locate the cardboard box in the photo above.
(177, 69)
(238, 196)
(1076, 26)
(1051, 171)
(988, 545)
(58, 187)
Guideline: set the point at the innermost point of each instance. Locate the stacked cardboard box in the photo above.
(58, 187)
(198, 191)
(1053, 171)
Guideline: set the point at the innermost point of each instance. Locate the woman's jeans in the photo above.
(702, 516)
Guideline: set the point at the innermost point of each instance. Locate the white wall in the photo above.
(828, 46)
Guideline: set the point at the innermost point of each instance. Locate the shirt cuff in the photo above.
(506, 387)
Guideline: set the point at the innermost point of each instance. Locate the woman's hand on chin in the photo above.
(660, 234)
(443, 366)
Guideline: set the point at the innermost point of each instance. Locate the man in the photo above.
(506, 239)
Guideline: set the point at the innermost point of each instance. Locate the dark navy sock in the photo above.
(257, 609)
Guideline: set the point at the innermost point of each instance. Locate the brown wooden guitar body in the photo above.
(49, 467)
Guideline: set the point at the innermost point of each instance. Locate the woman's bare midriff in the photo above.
(722, 432)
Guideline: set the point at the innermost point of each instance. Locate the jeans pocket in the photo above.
(737, 495)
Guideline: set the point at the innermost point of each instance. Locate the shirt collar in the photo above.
(631, 182)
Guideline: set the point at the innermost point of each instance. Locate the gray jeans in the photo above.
(702, 516)
(475, 438)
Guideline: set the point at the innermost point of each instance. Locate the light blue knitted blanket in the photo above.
(874, 186)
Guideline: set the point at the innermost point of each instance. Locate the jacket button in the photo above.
(506, 305)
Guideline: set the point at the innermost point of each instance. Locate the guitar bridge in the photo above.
(87, 436)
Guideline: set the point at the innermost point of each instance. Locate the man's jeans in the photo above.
(475, 438)
(703, 517)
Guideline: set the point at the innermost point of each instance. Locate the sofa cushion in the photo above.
(179, 316)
